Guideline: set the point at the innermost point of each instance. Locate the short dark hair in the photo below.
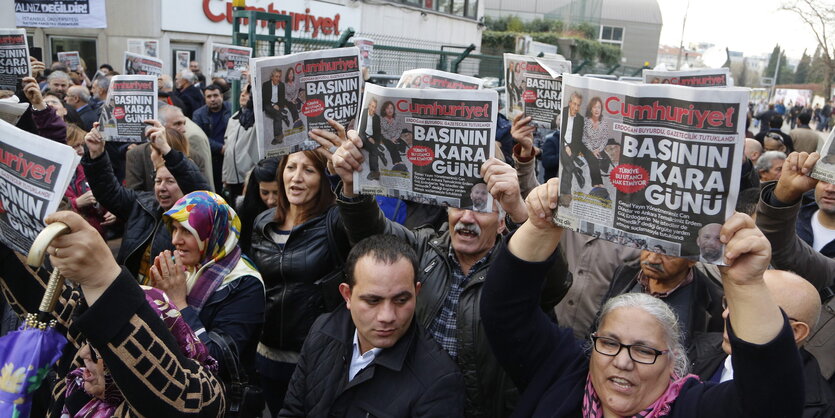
(387, 249)
(747, 200)
(108, 66)
(212, 87)
(805, 117)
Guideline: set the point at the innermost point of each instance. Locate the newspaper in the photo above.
(296, 93)
(427, 145)
(60, 13)
(71, 59)
(825, 167)
(141, 65)
(425, 78)
(183, 59)
(148, 47)
(34, 173)
(366, 47)
(14, 58)
(534, 87)
(11, 109)
(706, 77)
(228, 61)
(131, 100)
(653, 167)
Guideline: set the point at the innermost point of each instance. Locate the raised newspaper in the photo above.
(229, 61)
(34, 173)
(142, 64)
(149, 47)
(71, 59)
(14, 58)
(534, 87)
(425, 78)
(654, 167)
(427, 145)
(825, 167)
(183, 59)
(296, 93)
(131, 100)
(704, 77)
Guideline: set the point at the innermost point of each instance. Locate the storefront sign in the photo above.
(310, 19)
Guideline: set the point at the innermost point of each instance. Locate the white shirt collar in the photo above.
(360, 361)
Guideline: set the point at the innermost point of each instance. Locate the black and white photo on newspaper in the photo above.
(142, 64)
(534, 87)
(426, 78)
(183, 59)
(71, 59)
(702, 77)
(229, 61)
(655, 167)
(427, 145)
(34, 174)
(14, 58)
(131, 100)
(296, 93)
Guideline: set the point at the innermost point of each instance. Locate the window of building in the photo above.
(463, 8)
(86, 48)
(611, 35)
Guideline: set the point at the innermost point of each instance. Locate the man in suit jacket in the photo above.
(79, 98)
(273, 101)
(572, 133)
(371, 133)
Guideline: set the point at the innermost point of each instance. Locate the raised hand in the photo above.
(169, 275)
(94, 141)
(503, 184)
(522, 132)
(346, 160)
(795, 179)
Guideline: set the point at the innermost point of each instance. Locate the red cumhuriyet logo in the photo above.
(304, 22)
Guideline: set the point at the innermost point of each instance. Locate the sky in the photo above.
(750, 26)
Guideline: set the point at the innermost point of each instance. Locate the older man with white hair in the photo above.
(190, 95)
(79, 98)
(770, 165)
(57, 83)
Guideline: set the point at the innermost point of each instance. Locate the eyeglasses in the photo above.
(637, 352)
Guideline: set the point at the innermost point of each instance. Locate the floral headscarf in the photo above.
(217, 227)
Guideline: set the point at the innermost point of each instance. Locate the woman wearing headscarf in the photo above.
(218, 288)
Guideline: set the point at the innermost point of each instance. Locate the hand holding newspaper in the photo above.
(131, 100)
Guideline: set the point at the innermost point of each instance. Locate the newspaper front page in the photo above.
(705, 77)
(229, 61)
(296, 93)
(534, 87)
(71, 59)
(366, 47)
(34, 174)
(183, 59)
(131, 100)
(651, 166)
(825, 167)
(425, 78)
(147, 47)
(142, 64)
(427, 145)
(14, 58)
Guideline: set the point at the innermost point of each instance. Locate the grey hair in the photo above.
(665, 317)
(81, 92)
(188, 76)
(764, 162)
(166, 82)
(58, 74)
(102, 83)
(166, 112)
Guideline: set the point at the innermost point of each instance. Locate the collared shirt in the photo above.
(644, 281)
(727, 370)
(360, 361)
(445, 326)
(274, 94)
(569, 129)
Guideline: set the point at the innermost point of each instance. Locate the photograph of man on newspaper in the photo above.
(274, 95)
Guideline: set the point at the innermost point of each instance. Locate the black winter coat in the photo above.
(414, 378)
(290, 274)
(140, 210)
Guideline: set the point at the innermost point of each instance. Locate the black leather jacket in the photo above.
(294, 301)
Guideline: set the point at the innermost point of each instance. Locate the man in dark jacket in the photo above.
(274, 102)
(191, 96)
(372, 358)
(572, 132)
(695, 298)
(213, 118)
(454, 262)
(79, 98)
(145, 234)
(801, 303)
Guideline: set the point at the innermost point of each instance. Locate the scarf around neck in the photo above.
(593, 408)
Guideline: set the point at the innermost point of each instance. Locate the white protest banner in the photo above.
(651, 166)
(427, 145)
(425, 78)
(14, 58)
(131, 100)
(296, 93)
(141, 65)
(34, 174)
(60, 13)
(703, 77)
(229, 61)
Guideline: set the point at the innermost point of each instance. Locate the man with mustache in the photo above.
(694, 297)
(453, 264)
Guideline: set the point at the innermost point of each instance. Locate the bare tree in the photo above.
(820, 17)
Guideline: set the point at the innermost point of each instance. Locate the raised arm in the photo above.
(106, 188)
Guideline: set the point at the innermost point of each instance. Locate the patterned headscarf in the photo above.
(217, 227)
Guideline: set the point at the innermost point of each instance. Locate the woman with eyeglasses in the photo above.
(636, 365)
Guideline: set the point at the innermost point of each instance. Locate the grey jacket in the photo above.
(789, 252)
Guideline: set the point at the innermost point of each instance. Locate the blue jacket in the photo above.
(550, 367)
(215, 133)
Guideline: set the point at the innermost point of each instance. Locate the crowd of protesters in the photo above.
(204, 282)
